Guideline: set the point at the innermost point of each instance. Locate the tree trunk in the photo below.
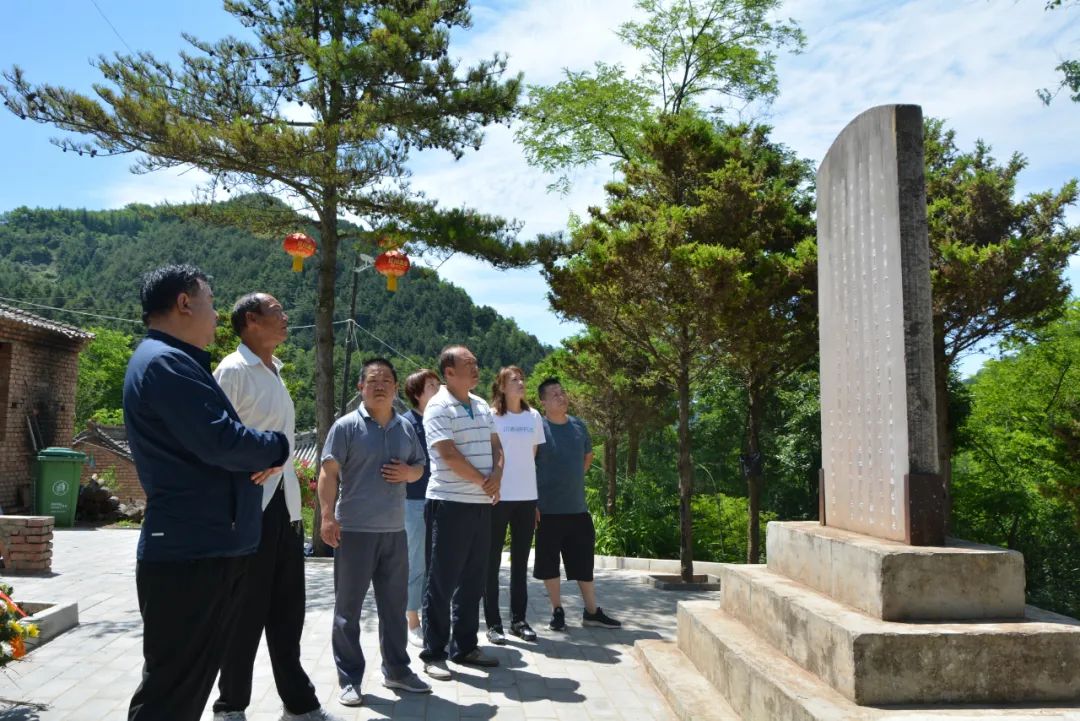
(611, 467)
(633, 446)
(324, 350)
(941, 406)
(686, 476)
(755, 480)
(331, 101)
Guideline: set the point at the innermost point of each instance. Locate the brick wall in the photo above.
(26, 543)
(41, 382)
(126, 487)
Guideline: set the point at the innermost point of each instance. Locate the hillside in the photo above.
(92, 260)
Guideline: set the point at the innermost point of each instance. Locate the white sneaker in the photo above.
(351, 696)
(438, 670)
(416, 637)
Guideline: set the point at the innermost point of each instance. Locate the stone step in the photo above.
(691, 696)
(898, 582)
(761, 684)
(871, 661)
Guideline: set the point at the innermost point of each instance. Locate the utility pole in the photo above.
(369, 261)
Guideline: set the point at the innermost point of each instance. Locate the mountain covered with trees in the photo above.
(91, 261)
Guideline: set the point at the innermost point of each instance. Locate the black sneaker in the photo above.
(476, 657)
(496, 636)
(522, 630)
(599, 619)
(558, 620)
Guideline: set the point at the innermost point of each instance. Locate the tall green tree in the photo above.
(997, 262)
(705, 252)
(321, 101)
(1017, 476)
(697, 53)
(100, 382)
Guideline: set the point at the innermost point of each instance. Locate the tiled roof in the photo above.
(113, 438)
(35, 321)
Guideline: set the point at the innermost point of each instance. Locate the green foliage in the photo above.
(1016, 479)
(100, 387)
(92, 260)
(997, 263)
(703, 255)
(644, 524)
(698, 53)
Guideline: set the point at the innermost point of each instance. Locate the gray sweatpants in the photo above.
(360, 560)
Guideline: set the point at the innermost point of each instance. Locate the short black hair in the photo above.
(161, 287)
(250, 303)
(545, 384)
(377, 362)
(448, 358)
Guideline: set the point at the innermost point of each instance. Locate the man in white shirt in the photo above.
(466, 470)
(274, 587)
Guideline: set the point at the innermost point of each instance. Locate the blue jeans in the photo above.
(416, 530)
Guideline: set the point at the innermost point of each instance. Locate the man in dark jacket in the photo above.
(201, 469)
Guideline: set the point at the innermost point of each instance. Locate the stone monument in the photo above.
(872, 613)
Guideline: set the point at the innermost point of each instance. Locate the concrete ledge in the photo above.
(52, 619)
(897, 582)
(690, 695)
(674, 582)
(761, 684)
(655, 565)
(875, 662)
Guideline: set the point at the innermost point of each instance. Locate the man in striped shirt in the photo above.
(466, 470)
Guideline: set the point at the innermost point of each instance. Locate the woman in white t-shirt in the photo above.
(521, 431)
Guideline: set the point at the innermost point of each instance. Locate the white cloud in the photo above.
(976, 63)
(173, 185)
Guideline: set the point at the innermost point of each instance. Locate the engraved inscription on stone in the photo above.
(866, 436)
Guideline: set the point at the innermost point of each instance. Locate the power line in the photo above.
(105, 17)
(392, 349)
(66, 310)
(122, 320)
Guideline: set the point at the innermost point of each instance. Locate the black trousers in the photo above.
(458, 539)
(520, 516)
(188, 609)
(273, 599)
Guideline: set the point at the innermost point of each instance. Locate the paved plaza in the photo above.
(584, 674)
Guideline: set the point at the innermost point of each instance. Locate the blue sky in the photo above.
(976, 63)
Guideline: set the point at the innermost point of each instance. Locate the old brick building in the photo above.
(38, 369)
(108, 456)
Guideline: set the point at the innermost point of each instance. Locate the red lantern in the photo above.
(299, 246)
(393, 264)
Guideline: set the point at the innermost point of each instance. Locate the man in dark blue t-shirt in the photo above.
(564, 525)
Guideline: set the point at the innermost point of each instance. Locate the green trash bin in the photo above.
(57, 489)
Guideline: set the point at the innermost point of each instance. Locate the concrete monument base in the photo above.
(778, 647)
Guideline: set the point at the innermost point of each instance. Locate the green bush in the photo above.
(646, 524)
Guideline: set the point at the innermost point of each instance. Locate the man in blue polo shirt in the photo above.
(200, 468)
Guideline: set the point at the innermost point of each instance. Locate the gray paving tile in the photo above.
(580, 675)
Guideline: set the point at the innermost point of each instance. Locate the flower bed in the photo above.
(13, 632)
